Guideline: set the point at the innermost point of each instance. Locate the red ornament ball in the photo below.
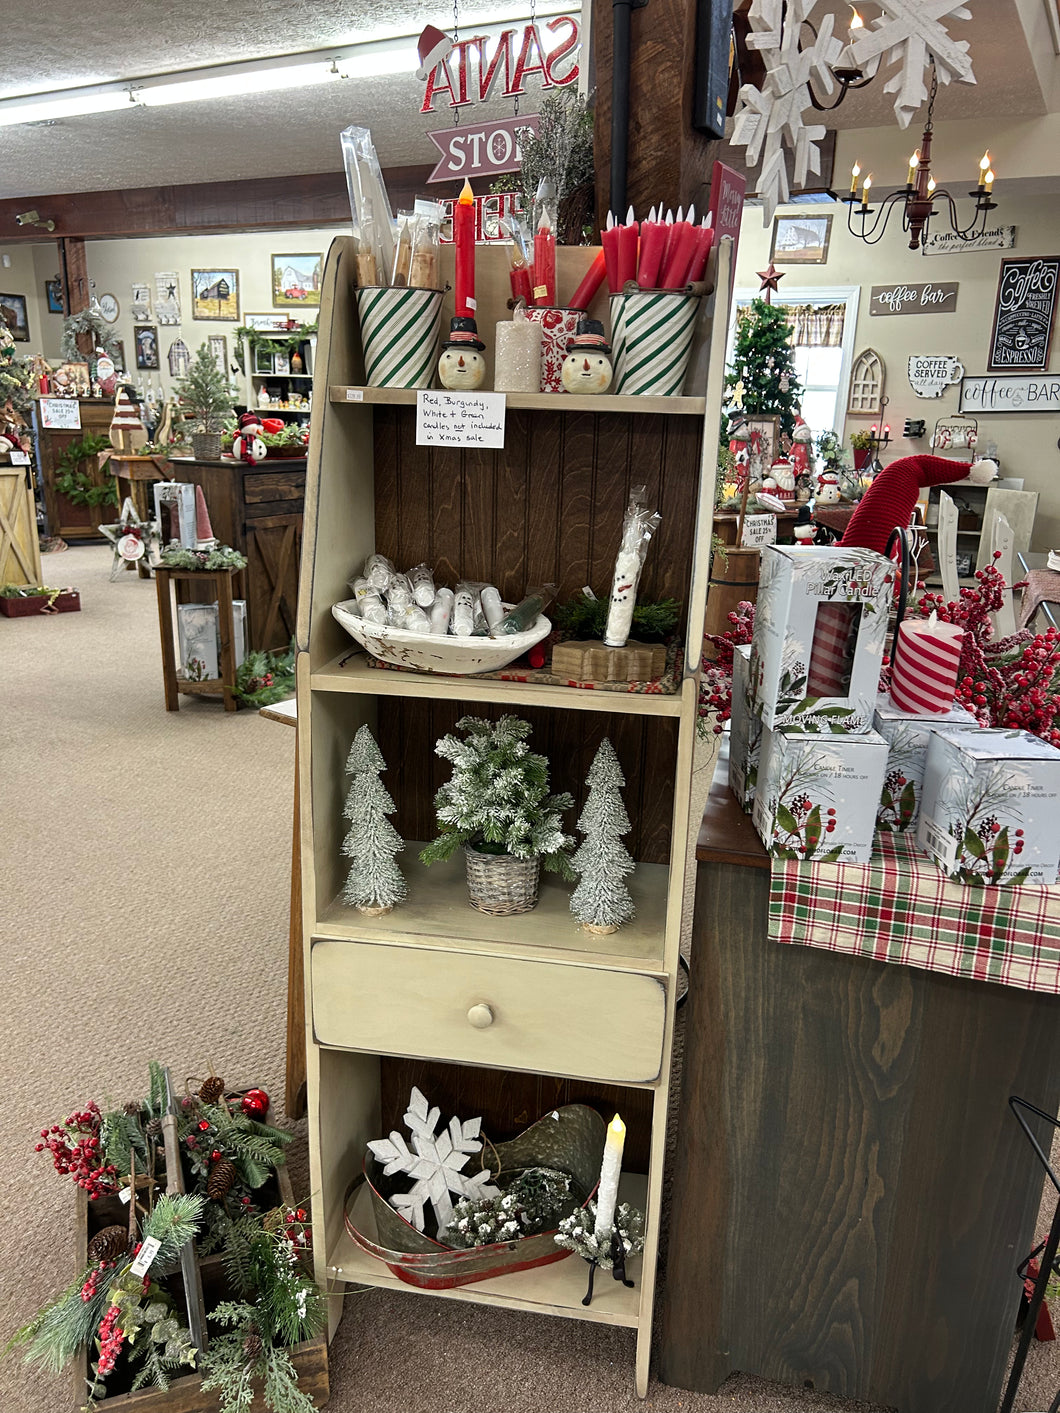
(255, 1104)
(204, 1125)
(216, 1156)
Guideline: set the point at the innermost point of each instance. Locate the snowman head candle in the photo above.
(587, 366)
(462, 365)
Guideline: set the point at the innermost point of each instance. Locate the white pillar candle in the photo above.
(610, 1168)
(517, 361)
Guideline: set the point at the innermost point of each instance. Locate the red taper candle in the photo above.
(652, 247)
(628, 245)
(544, 262)
(464, 240)
(609, 241)
(680, 252)
(594, 278)
(924, 672)
(704, 241)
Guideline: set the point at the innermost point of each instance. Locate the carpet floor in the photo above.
(144, 870)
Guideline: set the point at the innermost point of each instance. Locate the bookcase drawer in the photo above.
(503, 1012)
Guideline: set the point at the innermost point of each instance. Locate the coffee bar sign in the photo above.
(1014, 392)
(925, 298)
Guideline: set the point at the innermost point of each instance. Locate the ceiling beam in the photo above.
(204, 208)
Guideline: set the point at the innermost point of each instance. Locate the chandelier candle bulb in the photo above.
(610, 1170)
(924, 673)
(914, 162)
(988, 181)
(464, 240)
(855, 172)
(628, 245)
(984, 167)
(865, 190)
(652, 248)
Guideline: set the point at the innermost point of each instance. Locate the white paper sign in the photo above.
(18, 458)
(1013, 392)
(946, 243)
(929, 373)
(459, 419)
(759, 530)
(61, 413)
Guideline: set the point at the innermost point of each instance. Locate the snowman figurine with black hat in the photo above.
(462, 364)
(587, 366)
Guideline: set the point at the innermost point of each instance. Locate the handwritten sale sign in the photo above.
(924, 298)
(460, 419)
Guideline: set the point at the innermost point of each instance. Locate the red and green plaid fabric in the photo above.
(901, 908)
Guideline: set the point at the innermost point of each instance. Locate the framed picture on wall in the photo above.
(215, 295)
(296, 280)
(268, 323)
(53, 293)
(764, 439)
(800, 240)
(262, 359)
(13, 313)
(1024, 314)
(218, 345)
(146, 336)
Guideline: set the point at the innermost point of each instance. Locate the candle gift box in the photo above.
(907, 735)
(816, 795)
(199, 637)
(820, 627)
(990, 805)
(745, 731)
(175, 512)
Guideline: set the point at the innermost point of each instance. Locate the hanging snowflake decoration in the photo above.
(908, 33)
(435, 1161)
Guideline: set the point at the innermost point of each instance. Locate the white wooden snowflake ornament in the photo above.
(909, 33)
(435, 1161)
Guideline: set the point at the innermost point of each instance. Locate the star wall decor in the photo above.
(770, 278)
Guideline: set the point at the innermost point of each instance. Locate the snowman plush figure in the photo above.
(587, 366)
(462, 364)
(248, 445)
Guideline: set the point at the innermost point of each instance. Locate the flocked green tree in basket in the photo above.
(497, 806)
(207, 394)
(762, 375)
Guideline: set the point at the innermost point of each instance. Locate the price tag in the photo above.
(19, 458)
(460, 419)
(148, 1251)
(759, 530)
(125, 1194)
(540, 291)
(61, 413)
(471, 304)
(354, 394)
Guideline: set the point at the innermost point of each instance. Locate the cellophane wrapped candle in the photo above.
(526, 612)
(441, 611)
(518, 356)
(637, 529)
(422, 580)
(491, 605)
(463, 621)
(373, 219)
(369, 605)
(379, 571)
(399, 591)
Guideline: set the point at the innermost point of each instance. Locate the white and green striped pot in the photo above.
(400, 330)
(651, 333)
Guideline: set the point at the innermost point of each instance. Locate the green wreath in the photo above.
(78, 486)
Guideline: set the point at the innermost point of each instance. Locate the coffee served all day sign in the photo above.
(925, 298)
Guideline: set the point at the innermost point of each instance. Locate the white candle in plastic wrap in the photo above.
(491, 606)
(372, 608)
(379, 571)
(441, 611)
(399, 594)
(422, 585)
(517, 359)
(623, 598)
(416, 621)
(464, 611)
(610, 1170)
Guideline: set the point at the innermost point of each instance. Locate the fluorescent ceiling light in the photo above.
(47, 107)
(233, 85)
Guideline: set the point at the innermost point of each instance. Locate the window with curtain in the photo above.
(817, 325)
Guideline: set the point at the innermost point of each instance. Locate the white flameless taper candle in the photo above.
(855, 172)
(610, 1168)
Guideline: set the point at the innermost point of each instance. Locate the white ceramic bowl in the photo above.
(430, 652)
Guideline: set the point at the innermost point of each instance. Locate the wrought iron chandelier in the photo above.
(918, 197)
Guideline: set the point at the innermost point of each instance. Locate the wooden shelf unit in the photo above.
(575, 1014)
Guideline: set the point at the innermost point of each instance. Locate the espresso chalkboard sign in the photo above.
(1023, 318)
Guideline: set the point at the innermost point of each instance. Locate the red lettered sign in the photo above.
(479, 149)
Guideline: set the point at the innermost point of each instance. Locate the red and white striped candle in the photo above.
(924, 673)
(832, 650)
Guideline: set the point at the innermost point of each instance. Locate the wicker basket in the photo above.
(501, 885)
(206, 446)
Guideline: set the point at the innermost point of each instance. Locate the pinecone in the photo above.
(221, 1180)
(252, 1346)
(109, 1244)
(210, 1090)
(132, 1108)
(154, 1127)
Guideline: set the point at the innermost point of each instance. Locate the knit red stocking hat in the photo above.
(890, 500)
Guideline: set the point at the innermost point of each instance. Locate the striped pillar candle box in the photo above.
(400, 329)
(907, 735)
(819, 634)
(651, 336)
(990, 805)
(816, 795)
(745, 731)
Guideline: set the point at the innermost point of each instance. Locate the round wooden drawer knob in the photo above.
(480, 1016)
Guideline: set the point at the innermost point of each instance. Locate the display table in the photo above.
(851, 1193)
(213, 584)
(257, 509)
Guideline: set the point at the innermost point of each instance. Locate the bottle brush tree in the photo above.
(498, 799)
(374, 883)
(763, 364)
(601, 901)
(205, 392)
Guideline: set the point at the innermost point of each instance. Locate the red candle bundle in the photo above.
(464, 240)
(628, 245)
(593, 279)
(924, 673)
(652, 248)
(704, 241)
(680, 252)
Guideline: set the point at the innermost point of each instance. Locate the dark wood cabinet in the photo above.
(258, 511)
(75, 522)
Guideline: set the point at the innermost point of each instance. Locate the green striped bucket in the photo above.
(651, 334)
(399, 331)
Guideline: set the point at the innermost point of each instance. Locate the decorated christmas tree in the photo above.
(763, 364)
(15, 374)
(205, 391)
(601, 901)
(374, 883)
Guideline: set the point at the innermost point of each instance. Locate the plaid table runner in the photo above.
(901, 908)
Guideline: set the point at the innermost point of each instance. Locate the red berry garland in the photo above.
(715, 683)
(111, 1339)
(76, 1147)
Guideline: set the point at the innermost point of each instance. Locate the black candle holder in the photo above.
(618, 1267)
